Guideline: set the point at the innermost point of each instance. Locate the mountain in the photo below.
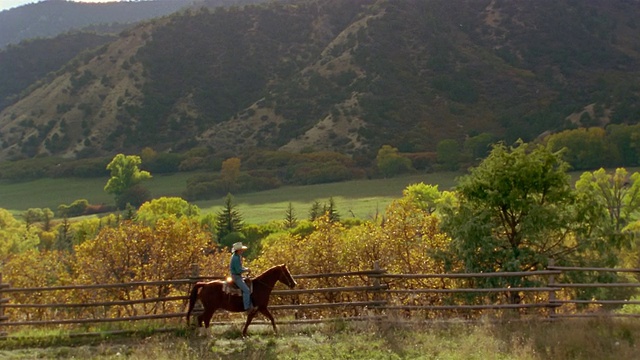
(25, 64)
(46, 19)
(343, 75)
(58, 30)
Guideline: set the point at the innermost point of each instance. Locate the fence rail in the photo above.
(378, 296)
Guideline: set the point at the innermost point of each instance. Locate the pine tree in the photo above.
(229, 219)
(331, 211)
(290, 219)
(315, 211)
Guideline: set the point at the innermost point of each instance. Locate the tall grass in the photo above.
(517, 340)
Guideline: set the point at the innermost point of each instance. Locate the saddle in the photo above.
(230, 287)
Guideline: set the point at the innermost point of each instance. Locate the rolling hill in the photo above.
(341, 75)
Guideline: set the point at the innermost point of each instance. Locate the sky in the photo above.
(8, 4)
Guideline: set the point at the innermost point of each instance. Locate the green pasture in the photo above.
(359, 198)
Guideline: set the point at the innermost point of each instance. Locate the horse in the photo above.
(213, 298)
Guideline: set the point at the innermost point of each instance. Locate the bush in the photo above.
(98, 209)
(77, 208)
(192, 163)
(258, 181)
(135, 196)
(309, 174)
(28, 169)
(228, 240)
(89, 168)
(201, 190)
(163, 163)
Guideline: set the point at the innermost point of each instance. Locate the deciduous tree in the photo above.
(15, 237)
(514, 212)
(390, 162)
(229, 174)
(423, 196)
(125, 174)
(136, 252)
(610, 202)
(164, 207)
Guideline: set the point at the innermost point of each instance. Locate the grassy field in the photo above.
(359, 198)
(516, 340)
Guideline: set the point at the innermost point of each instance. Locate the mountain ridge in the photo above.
(53, 17)
(338, 75)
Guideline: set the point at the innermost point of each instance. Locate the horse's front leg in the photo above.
(267, 313)
(250, 317)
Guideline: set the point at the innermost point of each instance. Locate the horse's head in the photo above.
(285, 277)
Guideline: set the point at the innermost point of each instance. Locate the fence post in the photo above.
(552, 292)
(3, 300)
(376, 280)
(195, 277)
(195, 272)
(376, 283)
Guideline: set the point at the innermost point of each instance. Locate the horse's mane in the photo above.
(268, 271)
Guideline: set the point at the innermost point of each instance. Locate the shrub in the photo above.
(98, 209)
(135, 196)
(192, 163)
(201, 190)
(76, 208)
(163, 163)
(258, 181)
(309, 174)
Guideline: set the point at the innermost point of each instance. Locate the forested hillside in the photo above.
(46, 19)
(342, 75)
(25, 64)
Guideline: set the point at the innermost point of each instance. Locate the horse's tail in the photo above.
(192, 299)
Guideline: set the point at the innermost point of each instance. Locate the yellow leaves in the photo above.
(15, 237)
(229, 173)
(135, 252)
(404, 242)
(280, 248)
(32, 268)
(165, 207)
(36, 269)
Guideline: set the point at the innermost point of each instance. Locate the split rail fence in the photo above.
(349, 296)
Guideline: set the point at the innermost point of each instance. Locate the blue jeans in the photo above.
(246, 293)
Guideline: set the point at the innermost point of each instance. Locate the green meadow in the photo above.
(362, 199)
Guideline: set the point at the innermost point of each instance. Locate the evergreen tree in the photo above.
(331, 211)
(64, 240)
(229, 219)
(290, 219)
(315, 211)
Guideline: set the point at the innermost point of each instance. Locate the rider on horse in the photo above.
(236, 269)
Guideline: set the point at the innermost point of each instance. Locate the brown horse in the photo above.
(213, 298)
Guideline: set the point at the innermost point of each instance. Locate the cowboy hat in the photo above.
(237, 246)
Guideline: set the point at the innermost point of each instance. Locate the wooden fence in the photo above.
(362, 295)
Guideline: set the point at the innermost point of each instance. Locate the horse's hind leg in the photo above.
(199, 321)
(206, 318)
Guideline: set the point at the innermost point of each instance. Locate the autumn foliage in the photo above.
(515, 212)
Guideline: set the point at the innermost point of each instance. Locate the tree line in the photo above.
(516, 211)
